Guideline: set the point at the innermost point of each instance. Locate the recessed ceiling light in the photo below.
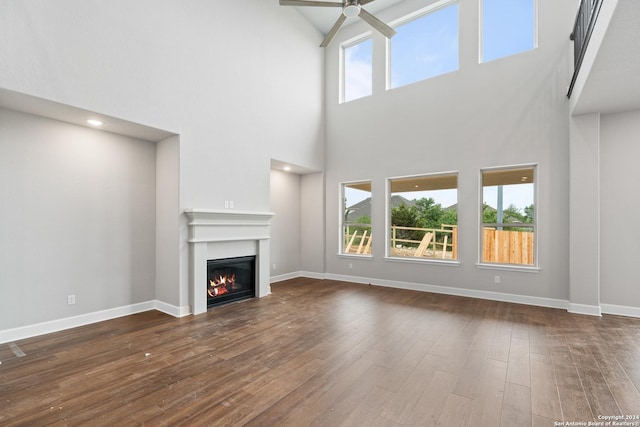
(94, 122)
(287, 168)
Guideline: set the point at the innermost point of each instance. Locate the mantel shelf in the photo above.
(213, 213)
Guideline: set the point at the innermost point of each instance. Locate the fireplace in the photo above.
(230, 279)
(226, 234)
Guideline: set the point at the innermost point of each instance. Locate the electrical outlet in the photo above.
(350, 265)
(230, 204)
(274, 266)
(226, 204)
(496, 279)
(71, 299)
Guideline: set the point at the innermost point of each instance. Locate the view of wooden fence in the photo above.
(499, 246)
(436, 242)
(357, 240)
(507, 247)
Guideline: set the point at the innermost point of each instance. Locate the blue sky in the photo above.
(520, 195)
(425, 47)
(508, 27)
(428, 45)
(357, 70)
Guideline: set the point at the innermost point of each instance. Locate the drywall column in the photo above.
(168, 226)
(312, 225)
(584, 202)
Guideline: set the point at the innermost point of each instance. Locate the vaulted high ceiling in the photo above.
(613, 78)
(323, 18)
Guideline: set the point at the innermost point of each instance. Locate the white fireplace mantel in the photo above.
(226, 231)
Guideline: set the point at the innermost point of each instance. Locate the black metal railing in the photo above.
(582, 29)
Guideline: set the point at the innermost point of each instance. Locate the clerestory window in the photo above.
(507, 28)
(357, 70)
(425, 46)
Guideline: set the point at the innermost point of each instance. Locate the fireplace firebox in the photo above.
(230, 279)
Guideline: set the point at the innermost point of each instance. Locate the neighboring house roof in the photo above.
(363, 208)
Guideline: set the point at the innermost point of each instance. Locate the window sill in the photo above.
(508, 267)
(356, 256)
(447, 263)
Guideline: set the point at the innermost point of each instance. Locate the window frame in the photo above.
(405, 19)
(342, 223)
(388, 220)
(361, 38)
(481, 46)
(534, 226)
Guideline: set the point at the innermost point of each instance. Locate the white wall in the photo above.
(585, 199)
(312, 225)
(509, 111)
(168, 219)
(285, 225)
(297, 229)
(620, 204)
(240, 82)
(77, 217)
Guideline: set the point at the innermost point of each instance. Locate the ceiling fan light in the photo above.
(351, 11)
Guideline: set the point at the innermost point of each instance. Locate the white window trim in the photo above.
(508, 267)
(387, 207)
(341, 63)
(535, 268)
(406, 19)
(420, 12)
(481, 33)
(341, 224)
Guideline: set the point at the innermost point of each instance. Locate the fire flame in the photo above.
(220, 285)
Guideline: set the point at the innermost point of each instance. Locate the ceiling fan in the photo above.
(350, 9)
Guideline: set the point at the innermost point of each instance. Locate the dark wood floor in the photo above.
(326, 353)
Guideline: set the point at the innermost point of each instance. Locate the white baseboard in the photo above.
(589, 310)
(352, 279)
(23, 332)
(283, 277)
(620, 310)
(296, 274)
(312, 275)
(172, 310)
(471, 293)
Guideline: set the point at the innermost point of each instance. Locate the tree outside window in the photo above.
(424, 217)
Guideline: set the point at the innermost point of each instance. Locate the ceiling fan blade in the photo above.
(310, 3)
(363, 2)
(334, 31)
(377, 24)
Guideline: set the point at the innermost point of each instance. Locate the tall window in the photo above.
(358, 70)
(508, 216)
(424, 217)
(508, 27)
(356, 218)
(425, 47)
